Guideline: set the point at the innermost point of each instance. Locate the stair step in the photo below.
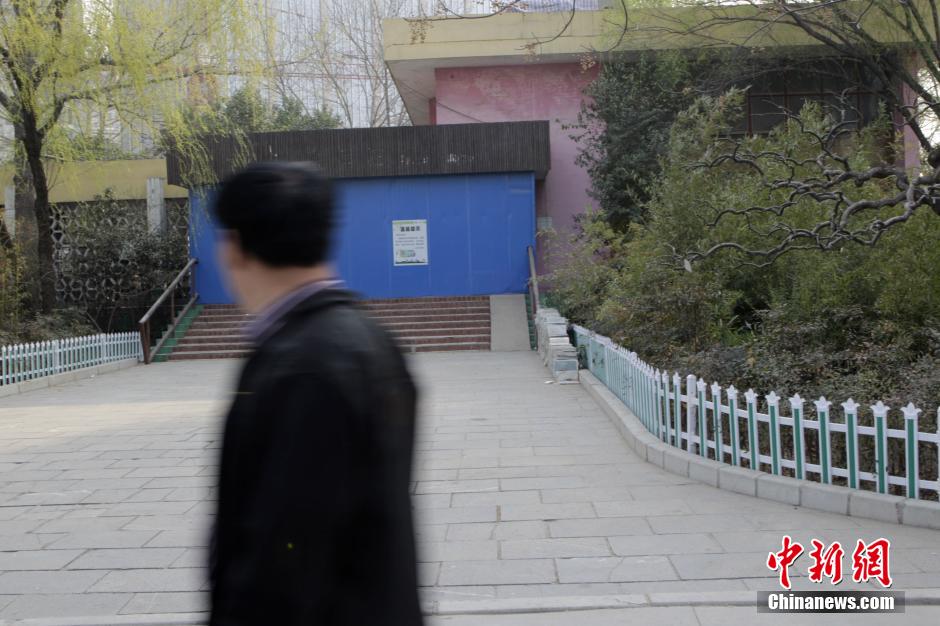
(447, 347)
(216, 332)
(227, 317)
(395, 325)
(449, 310)
(239, 340)
(473, 317)
(205, 325)
(212, 347)
(217, 354)
(429, 299)
(435, 339)
(442, 332)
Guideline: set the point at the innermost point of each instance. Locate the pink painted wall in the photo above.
(552, 92)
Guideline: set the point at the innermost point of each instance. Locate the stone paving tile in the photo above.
(152, 580)
(678, 616)
(588, 494)
(163, 603)
(569, 510)
(59, 605)
(37, 559)
(554, 548)
(603, 527)
(740, 565)
(497, 498)
(689, 543)
(104, 539)
(497, 572)
(458, 551)
(615, 569)
(521, 490)
(25, 582)
(127, 558)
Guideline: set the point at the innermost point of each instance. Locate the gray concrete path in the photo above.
(526, 496)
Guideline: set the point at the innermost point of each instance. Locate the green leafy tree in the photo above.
(133, 62)
(247, 111)
(624, 129)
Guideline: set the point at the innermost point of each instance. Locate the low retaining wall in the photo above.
(67, 377)
(832, 499)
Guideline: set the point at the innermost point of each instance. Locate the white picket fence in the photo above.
(27, 361)
(710, 421)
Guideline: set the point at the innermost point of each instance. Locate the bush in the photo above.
(860, 322)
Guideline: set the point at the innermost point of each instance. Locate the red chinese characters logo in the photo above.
(869, 561)
(826, 562)
(784, 559)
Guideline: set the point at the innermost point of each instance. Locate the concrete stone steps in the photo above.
(388, 313)
(209, 354)
(196, 346)
(418, 325)
(448, 347)
(395, 325)
(413, 340)
(479, 331)
(423, 317)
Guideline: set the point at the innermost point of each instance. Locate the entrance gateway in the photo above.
(423, 210)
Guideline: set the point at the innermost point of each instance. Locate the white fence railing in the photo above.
(714, 422)
(27, 361)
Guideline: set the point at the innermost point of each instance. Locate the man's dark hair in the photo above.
(282, 212)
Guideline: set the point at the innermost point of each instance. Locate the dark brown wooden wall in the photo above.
(377, 152)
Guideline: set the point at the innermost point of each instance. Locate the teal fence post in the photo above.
(690, 411)
(881, 445)
(735, 426)
(652, 375)
(718, 419)
(912, 466)
(796, 408)
(751, 398)
(825, 458)
(773, 410)
(850, 407)
(677, 407)
(702, 431)
(667, 408)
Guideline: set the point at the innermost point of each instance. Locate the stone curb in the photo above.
(166, 619)
(494, 606)
(67, 377)
(829, 498)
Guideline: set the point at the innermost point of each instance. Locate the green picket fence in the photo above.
(27, 361)
(723, 424)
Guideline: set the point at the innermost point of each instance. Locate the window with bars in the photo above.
(846, 92)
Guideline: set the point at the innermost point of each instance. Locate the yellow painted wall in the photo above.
(83, 180)
(507, 34)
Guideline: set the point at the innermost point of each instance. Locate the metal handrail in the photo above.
(533, 285)
(169, 292)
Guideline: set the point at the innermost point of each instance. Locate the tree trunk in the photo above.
(34, 187)
(6, 241)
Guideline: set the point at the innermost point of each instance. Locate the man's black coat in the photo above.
(314, 521)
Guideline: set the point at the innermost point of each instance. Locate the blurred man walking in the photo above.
(314, 520)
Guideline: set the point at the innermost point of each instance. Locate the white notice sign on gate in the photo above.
(410, 242)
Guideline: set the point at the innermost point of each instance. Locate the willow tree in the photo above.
(121, 63)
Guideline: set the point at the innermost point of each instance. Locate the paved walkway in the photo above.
(526, 497)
